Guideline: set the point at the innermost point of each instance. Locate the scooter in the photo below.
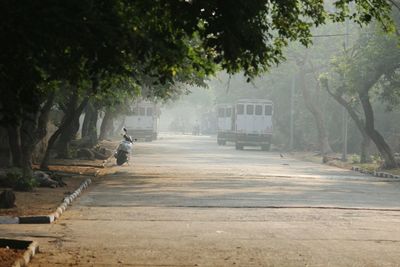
(124, 149)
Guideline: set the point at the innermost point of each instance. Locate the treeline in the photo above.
(350, 73)
(77, 56)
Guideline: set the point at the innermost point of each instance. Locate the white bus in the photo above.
(253, 119)
(225, 123)
(143, 123)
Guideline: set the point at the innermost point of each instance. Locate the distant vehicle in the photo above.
(225, 124)
(143, 123)
(253, 123)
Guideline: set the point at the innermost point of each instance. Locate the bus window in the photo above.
(142, 111)
(249, 109)
(268, 110)
(149, 111)
(240, 109)
(258, 110)
(221, 112)
(228, 112)
(135, 111)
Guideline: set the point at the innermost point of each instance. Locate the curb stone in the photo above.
(46, 219)
(32, 249)
(375, 173)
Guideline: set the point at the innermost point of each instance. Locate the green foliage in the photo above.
(25, 184)
(354, 158)
(11, 177)
(371, 64)
(152, 45)
(15, 180)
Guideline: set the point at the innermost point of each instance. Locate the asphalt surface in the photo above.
(184, 201)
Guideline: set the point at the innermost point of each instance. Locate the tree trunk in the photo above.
(377, 138)
(43, 120)
(28, 141)
(364, 156)
(26, 135)
(107, 125)
(92, 131)
(74, 115)
(89, 127)
(86, 122)
(317, 113)
(90, 117)
(14, 141)
(67, 121)
(69, 132)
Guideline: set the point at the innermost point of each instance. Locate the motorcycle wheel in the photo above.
(121, 158)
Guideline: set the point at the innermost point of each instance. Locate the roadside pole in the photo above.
(292, 112)
(345, 115)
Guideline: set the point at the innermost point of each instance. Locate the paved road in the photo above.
(185, 201)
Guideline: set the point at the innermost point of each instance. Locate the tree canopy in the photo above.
(82, 43)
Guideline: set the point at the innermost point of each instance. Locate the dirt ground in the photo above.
(44, 200)
(8, 256)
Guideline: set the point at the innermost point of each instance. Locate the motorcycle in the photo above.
(124, 149)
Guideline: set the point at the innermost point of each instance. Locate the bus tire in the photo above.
(239, 146)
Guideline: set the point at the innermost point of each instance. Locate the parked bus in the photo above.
(253, 119)
(143, 123)
(225, 123)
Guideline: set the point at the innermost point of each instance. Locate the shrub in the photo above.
(25, 184)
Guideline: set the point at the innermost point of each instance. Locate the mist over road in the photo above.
(186, 171)
(184, 201)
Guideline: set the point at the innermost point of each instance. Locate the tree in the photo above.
(372, 68)
(109, 37)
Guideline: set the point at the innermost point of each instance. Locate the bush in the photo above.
(10, 177)
(14, 179)
(355, 158)
(25, 184)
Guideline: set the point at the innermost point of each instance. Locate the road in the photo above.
(184, 201)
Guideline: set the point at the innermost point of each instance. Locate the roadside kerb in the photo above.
(59, 210)
(32, 249)
(375, 173)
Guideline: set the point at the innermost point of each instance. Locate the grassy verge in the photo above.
(335, 161)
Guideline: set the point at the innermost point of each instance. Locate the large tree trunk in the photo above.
(11, 117)
(33, 130)
(89, 127)
(377, 138)
(43, 120)
(86, 122)
(317, 113)
(28, 141)
(70, 130)
(64, 141)
(14, 141)
(107, 125)
(67, 121)
(364, 156)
